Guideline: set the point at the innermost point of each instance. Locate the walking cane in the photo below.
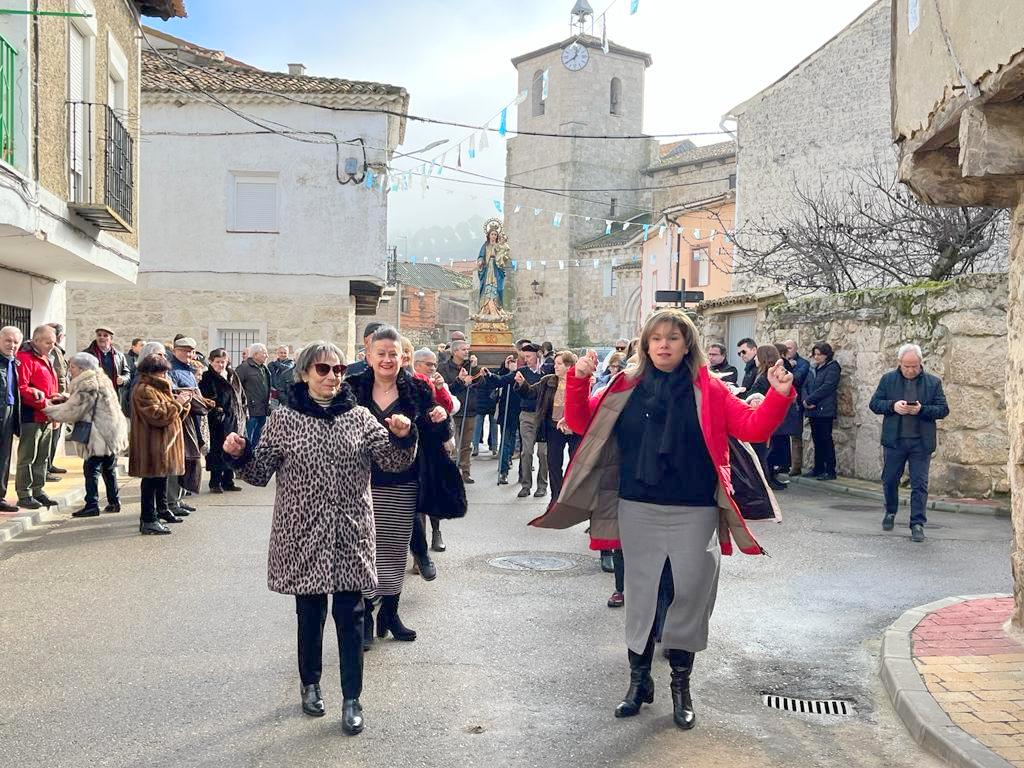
(504, 424)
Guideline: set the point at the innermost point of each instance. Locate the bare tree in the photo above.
(869, 233)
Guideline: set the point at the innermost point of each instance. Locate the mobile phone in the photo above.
(912, 402)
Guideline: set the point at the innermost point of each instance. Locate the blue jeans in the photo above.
(908, 451)
(478, 432)
(253, 429)
(510, 431)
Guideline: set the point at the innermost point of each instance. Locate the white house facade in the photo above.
(261, 224)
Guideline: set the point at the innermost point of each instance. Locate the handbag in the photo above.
(82, 430)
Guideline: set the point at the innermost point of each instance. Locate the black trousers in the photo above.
(780, 456)
(619, 564)
(154, 497)
(824, 447)
(418, 540)
(7, 423)
(93, 467)
(221, 477)
(347, 609)
(557, 443)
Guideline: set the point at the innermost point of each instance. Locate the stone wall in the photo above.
(962, 327)
(822, 122)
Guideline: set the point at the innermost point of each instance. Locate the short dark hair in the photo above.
(825, 348)
(57, 328)
(529, 347)
(385, 333)
(519, 344)
(216, 353)
(720, 347)
(747, 342)
(179, 336)
(136, 341)
(155, 363)
(371, 328)
(546, 347)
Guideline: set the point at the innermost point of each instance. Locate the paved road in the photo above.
(118, 650)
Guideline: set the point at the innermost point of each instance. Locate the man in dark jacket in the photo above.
(532, 372)
(747, 350)
(255, 379)
(508, 413)
(718, 364)
(282, 374)
(457, 374)
(801, 368)
(10, 407)
(361, 365)
(112, 363)
(486, 406)
(910, 402)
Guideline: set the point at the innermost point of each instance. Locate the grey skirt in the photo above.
(688, 538)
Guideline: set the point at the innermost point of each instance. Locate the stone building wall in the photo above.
(822, 122)
(962, 327)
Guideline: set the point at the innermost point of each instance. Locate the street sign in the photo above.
(678, 297)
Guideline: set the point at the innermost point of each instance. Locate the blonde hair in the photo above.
(568, 358)
(694, 358)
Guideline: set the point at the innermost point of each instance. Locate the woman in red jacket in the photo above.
(652, 473)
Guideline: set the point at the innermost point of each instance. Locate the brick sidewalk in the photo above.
(976, 672)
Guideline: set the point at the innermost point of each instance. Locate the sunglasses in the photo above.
(322, 369)
(620, 349)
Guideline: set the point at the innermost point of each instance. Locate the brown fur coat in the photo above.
(156, 447)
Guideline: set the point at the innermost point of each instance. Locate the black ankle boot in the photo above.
(351, 716)
(641, 685)
(681, 663)
(388, 620)
(367, 624)
(312, 701)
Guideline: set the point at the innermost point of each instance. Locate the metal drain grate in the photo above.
(827, 707)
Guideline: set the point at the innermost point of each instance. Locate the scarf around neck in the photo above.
(670, 409)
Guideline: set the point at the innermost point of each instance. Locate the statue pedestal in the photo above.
(491, 342)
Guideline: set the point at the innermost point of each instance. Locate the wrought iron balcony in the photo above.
(96, 133)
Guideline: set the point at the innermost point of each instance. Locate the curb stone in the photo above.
(921, 714)
(837, 486)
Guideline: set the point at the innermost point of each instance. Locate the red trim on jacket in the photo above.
(441, 396)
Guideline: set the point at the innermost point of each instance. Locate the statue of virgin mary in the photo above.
(493, 260)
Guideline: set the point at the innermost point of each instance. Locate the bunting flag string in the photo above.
(634, 6)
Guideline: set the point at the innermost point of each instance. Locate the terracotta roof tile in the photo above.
(158, 75)
(432, 276)
(718, 151)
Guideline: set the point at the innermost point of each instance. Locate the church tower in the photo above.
(590, 92)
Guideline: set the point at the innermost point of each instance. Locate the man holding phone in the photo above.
(910, 402)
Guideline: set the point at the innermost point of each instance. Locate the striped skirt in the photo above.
(393, 510)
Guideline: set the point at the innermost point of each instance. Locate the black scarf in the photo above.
(670, 410)
(300, 400)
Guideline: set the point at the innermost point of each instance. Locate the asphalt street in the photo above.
(119, 650)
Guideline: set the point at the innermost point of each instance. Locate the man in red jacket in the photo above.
(38, 385)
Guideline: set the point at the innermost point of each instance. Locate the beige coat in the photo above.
(91, 390)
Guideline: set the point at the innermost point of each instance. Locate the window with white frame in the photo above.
(608, 280)
(254, 202)
(701, 267)
(117, 79)
(81, 76)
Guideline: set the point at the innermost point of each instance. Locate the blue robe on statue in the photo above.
(492, 278)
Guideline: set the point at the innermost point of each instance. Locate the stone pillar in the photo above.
(1015, 404)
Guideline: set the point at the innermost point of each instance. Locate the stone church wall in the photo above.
(820, 124)
(961, 326)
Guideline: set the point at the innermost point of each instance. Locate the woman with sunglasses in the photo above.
(387, 389)
(322, 447)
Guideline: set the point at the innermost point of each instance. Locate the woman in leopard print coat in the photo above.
(322, 540)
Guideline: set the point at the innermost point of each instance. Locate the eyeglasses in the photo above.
(620, 349)
(424, 362)
(322, 369)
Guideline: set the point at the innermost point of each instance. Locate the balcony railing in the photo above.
(88, 125)
(7, 74)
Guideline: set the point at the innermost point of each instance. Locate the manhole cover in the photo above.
(532, 563)
(828, 707)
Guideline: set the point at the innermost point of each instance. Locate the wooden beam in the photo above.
(935, 177)
(992, 140)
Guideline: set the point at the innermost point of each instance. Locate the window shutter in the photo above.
(255, 206)
(607, 279)
(76, 95)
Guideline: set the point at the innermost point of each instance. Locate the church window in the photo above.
(537, 93)
(615, 106)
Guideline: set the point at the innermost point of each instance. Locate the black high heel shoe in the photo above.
(388, 620)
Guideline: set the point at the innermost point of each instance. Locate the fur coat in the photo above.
(156, 446)
(226, 416)
(322, 538)
(109, 436)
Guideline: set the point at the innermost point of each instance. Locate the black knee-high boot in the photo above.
(388, 620)
(641, 684)
(681, 663)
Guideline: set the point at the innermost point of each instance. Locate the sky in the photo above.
(454, 60)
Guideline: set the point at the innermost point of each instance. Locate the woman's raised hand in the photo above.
(586, 365)
(398, 424)
(780, 379)
(438, 414)
(234, 445)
